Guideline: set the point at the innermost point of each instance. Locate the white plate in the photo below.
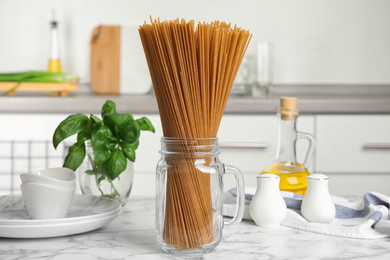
(86, 213)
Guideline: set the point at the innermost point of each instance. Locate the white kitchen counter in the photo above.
(131, 236)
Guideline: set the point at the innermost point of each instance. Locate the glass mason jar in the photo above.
(93, 180)
(189, 192)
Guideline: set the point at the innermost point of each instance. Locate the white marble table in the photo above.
(131, 236)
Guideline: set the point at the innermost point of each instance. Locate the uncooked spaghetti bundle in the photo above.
(192, 69)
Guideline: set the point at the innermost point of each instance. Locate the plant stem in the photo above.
(112, 186)
(95, 170)
(98, 185)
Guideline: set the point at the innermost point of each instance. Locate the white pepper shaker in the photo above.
(317, 205)
(267, 207)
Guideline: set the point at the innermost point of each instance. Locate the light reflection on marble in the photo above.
(131, 236)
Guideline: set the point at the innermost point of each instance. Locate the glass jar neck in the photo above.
(287, 135)
(171, 146)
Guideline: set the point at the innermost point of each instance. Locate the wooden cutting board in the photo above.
(62, 88)
(105, 59)
(118, 63)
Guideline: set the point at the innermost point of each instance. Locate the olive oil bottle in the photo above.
(54, 61)
(292, 174)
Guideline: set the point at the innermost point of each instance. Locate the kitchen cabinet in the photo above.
(351, 149)
(353, 143)
(236, 134)
(354, 150)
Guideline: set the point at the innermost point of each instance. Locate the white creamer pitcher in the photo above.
(267, 207)
(317, 205)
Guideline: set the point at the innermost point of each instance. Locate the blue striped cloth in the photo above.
(365, 217)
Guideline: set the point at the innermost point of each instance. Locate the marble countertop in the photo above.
(131, 236)
(312, 99)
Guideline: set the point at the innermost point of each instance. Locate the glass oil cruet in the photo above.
(292, 174)
(54, 61)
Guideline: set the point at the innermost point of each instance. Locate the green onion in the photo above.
(38, 76)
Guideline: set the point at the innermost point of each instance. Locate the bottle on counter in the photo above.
(54, 61)
(292, 174)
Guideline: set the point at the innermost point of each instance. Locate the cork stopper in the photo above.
(288, 107)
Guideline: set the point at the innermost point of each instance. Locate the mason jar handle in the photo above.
(240, 199)
(310, 150)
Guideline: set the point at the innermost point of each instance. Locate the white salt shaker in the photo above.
(267, 207)
(317, 205)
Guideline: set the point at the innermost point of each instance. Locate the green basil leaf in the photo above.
(116, 129)
(111, 142)
(117, 121)
(116, 164)
(134, 145)
(73, 124)
(96, 120)
(128, 151)
(145, 124)
(83, 136)
(100, 135)
(75, 156)
(130, 133)
(101, 156)
(90, 172)
(108, 108)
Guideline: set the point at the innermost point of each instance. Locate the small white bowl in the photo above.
(46, 202)
(58, 177)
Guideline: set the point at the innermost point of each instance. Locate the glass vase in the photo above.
(94, 181)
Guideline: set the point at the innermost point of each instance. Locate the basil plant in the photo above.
(114, 138)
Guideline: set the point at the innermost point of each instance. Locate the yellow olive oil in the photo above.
(55, 65)
(292, 176)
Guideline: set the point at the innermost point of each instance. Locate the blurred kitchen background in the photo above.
(315, 41)
(324, 46)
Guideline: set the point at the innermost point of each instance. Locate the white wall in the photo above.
(315, 41)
